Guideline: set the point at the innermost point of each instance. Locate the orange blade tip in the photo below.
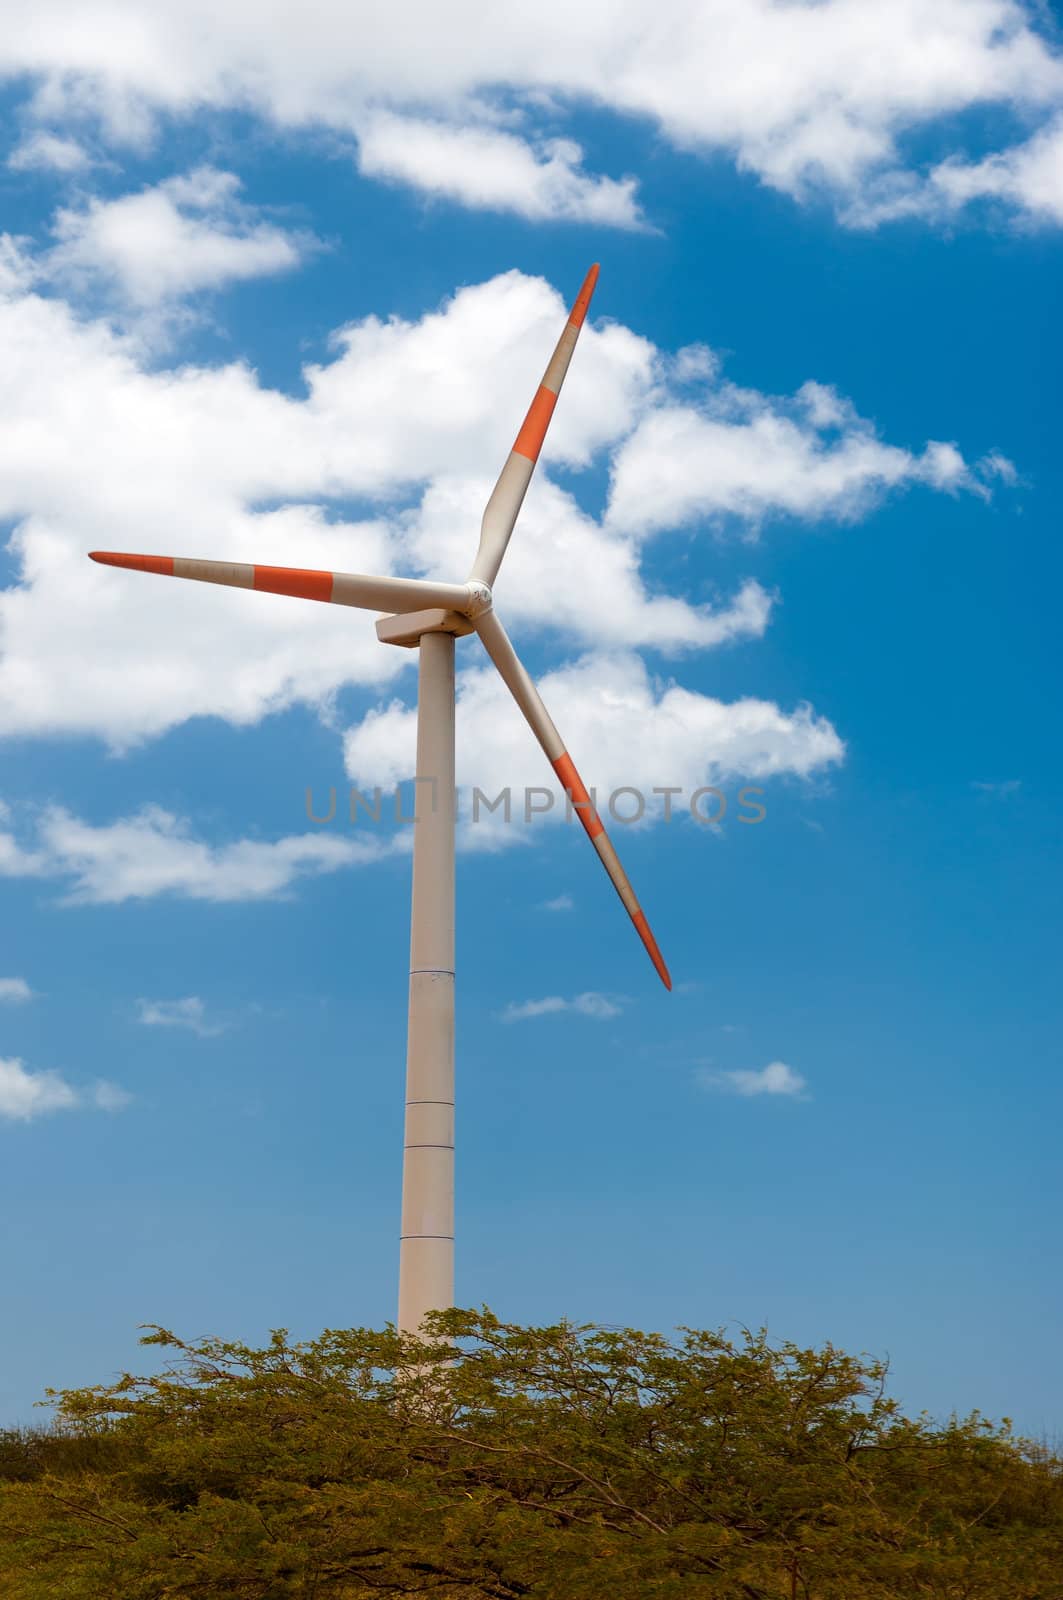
(643, 929)
(583, 299)
(115, 558)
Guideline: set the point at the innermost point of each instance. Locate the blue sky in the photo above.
(269, 295)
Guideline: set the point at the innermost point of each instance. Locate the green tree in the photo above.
(496, 1461)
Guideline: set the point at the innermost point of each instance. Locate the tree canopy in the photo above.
(494, 1461)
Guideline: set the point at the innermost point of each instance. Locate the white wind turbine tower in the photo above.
(430, 616)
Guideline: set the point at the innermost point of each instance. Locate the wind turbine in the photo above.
(430, 616)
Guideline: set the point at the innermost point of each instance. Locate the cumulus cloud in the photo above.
(97, 449)
(48, 152)
(15, 860)
(569, 571)
(813, 99)
(13, 991)
(25, 1095)
(686, 739)
(189, 1012)
(1024, 181)
(183, 235)
(561, 902)
(153, 852)
(600, 1007)
(411, 417)
(490, 168)
(1028, 177)
(745, 455)
(775, 1079)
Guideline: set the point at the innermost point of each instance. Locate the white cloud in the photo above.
(15, 861)
(598, 1006)
(561, 902)
(1000, 790)
(14, 990)
(97, 448)
(48, 152)
(1025, 180)
(189, 1012)
(751, 456)
(489, 168)
(774, 1079)
(185, 234)
(811, 98)
(154, 853)
(107, 1096)
(567, 571)
(685, 739)
(25, 1095)
(1028, 177)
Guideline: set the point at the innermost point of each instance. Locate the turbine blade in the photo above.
(338, 588)
(498, 646)
(509, 491)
